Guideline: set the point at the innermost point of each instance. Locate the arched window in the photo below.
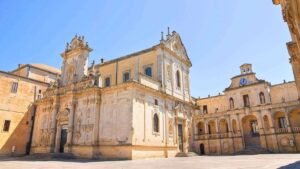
(231, 103)
(155, 123)
(178, 79)
(148, 71)
(262, 98)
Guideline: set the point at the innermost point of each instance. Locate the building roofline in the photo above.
(242, 75)
(128, 56)
(22, 77)
(29, 65)
(209, 97)
(252, 84)
(278, 84)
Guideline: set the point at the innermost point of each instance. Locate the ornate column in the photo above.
(53, 126)
(287, 120)
(185, 136)
(240, 129)
(71, 126)
(273, 130)
(295, 62)
(97, 118)
(229, 125)
(217, 126)
(263, 139)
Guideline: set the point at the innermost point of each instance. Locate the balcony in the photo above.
(215, 136)
(296, 129)
(149, 82)
(282, 130)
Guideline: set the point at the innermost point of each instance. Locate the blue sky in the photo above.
(219, 35)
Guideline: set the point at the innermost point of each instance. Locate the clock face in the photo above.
(243, 81)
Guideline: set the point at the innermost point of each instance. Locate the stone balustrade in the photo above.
(282, 130)
(296, 129)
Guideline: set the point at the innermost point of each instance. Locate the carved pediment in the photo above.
(174, 43)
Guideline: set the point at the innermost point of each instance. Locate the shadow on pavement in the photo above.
(79, 160)
(295, 165)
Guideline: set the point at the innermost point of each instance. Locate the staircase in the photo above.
(251, 150)
(50, 156)
(188, 154)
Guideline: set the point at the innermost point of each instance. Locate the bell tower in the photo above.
(75, 60)
(246, 68)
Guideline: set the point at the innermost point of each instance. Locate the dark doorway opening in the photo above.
(180, 137)
(63, 140)
(202, 149)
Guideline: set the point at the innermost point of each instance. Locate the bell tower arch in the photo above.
(75, 60)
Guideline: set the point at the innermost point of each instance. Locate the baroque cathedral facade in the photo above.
(136, 106)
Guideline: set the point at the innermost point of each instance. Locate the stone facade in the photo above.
(136, 106)
(251, 113)
(291, 15)
(140, 106)
(18, 92)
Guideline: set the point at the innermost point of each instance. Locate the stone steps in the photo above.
(251, 150)
(188, 154)
(49, 156)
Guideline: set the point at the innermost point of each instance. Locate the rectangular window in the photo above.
(148, 71)
(156, 102)
(282, 122)
(246, 100)
(107, 82)
(205, 109)
(126, 77)
(40, 94)
(14, 87)
(6, 125)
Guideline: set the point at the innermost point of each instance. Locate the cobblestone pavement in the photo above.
(269, 161)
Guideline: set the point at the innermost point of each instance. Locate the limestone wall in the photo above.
(17, 108)
(284, 92)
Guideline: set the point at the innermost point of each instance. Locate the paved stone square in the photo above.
(270, 161)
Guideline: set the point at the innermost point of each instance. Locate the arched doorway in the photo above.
(62, 130)
(223, 126)
(212, 127)
(251, 131)
(63, 139)
(295, 120)
(202, 149)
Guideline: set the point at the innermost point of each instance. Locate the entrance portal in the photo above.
(202, 150)
(251, 131)
(63, 140)
(180, 137)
